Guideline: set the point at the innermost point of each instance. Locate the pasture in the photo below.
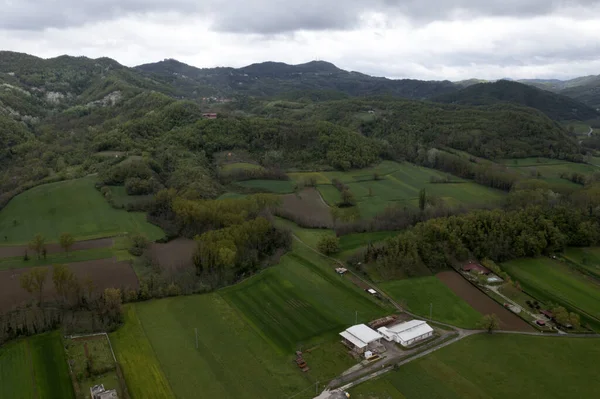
(495, 366)
(586, 258)
(132, 349)
(237, 166)
(72, 206)
(553, 281)
(35, 367)
(248, 333)
(398, 184)
(418, 294)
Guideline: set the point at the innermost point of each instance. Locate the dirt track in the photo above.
(174, 255)
(483, 303)
(105, 273)
(19, 250)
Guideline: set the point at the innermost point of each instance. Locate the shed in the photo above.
(360, 337)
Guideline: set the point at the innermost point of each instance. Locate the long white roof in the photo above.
(408, 330)
(361, 335)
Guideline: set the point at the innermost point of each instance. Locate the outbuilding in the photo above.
(361, 338)
(407, 333)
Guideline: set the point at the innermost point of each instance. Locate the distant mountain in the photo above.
(555, 106)
(585, 89)
(273, 79)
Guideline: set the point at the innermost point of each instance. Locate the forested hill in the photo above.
(272, 79)
(555, 106)
(585, 89)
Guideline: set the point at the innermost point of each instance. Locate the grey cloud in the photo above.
(265, 16)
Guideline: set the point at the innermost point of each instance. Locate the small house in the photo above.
(477, 268)
(361, 338)
(407, 333)
(98, 392)
(548, 314)
(209, 115)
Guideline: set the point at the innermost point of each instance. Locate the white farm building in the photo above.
(361, 337)
(407, 333)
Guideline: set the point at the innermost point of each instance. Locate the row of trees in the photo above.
(38, 244)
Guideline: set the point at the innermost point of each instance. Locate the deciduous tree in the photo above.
(328, 245)
(489, 322)
(38, 244)
(34, 280)
(66, 241)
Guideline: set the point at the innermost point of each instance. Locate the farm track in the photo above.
(19, 250)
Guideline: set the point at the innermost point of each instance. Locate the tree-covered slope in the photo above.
(555, 106)
(585, 89)
(274, 79)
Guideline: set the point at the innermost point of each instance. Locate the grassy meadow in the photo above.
(553, 281)
(35, 367)
(236, 166)
(247, 334)
(586, 258)
(398, 183)
(418, 293)
(73, 206)
(495, 366)
(132, 349)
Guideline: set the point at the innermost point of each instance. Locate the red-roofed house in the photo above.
(476, 267)
(210, 115)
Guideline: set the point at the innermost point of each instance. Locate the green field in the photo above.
(122, 199)
(496, 366)
(35, 367)
(232, 167)
(56, 258)
(73, 206)
(133, 349)
(247, 334)
(586, 258)
(399, 183)
(553, 281)
(417, 294)
(269, 186)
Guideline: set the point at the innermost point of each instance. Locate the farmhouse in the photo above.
(477, 268)
(407, 333)
(210, 115)
(361, 338)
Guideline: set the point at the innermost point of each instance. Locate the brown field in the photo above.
(306, 208)
(105, 273)
(483, 303)
(19, 250)
(174, 255)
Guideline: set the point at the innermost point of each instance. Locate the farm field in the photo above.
(495, 366)
(418, 293)
(587, 258)
(306, 206)
(400, 184)
(553, 281)
(35, 367)
(233, 167)
(132, 349)
(248, 333)
(122, 199)
(73, 206)
(57, 258)
(105, 273)
(270, 186)
(481, 302)
(550, 169)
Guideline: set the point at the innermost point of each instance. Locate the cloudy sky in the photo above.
(423, 39)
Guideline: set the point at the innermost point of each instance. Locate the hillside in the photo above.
(585, 89)
(555, 106)
(275, 78)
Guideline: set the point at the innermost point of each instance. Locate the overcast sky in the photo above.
(422, 39)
